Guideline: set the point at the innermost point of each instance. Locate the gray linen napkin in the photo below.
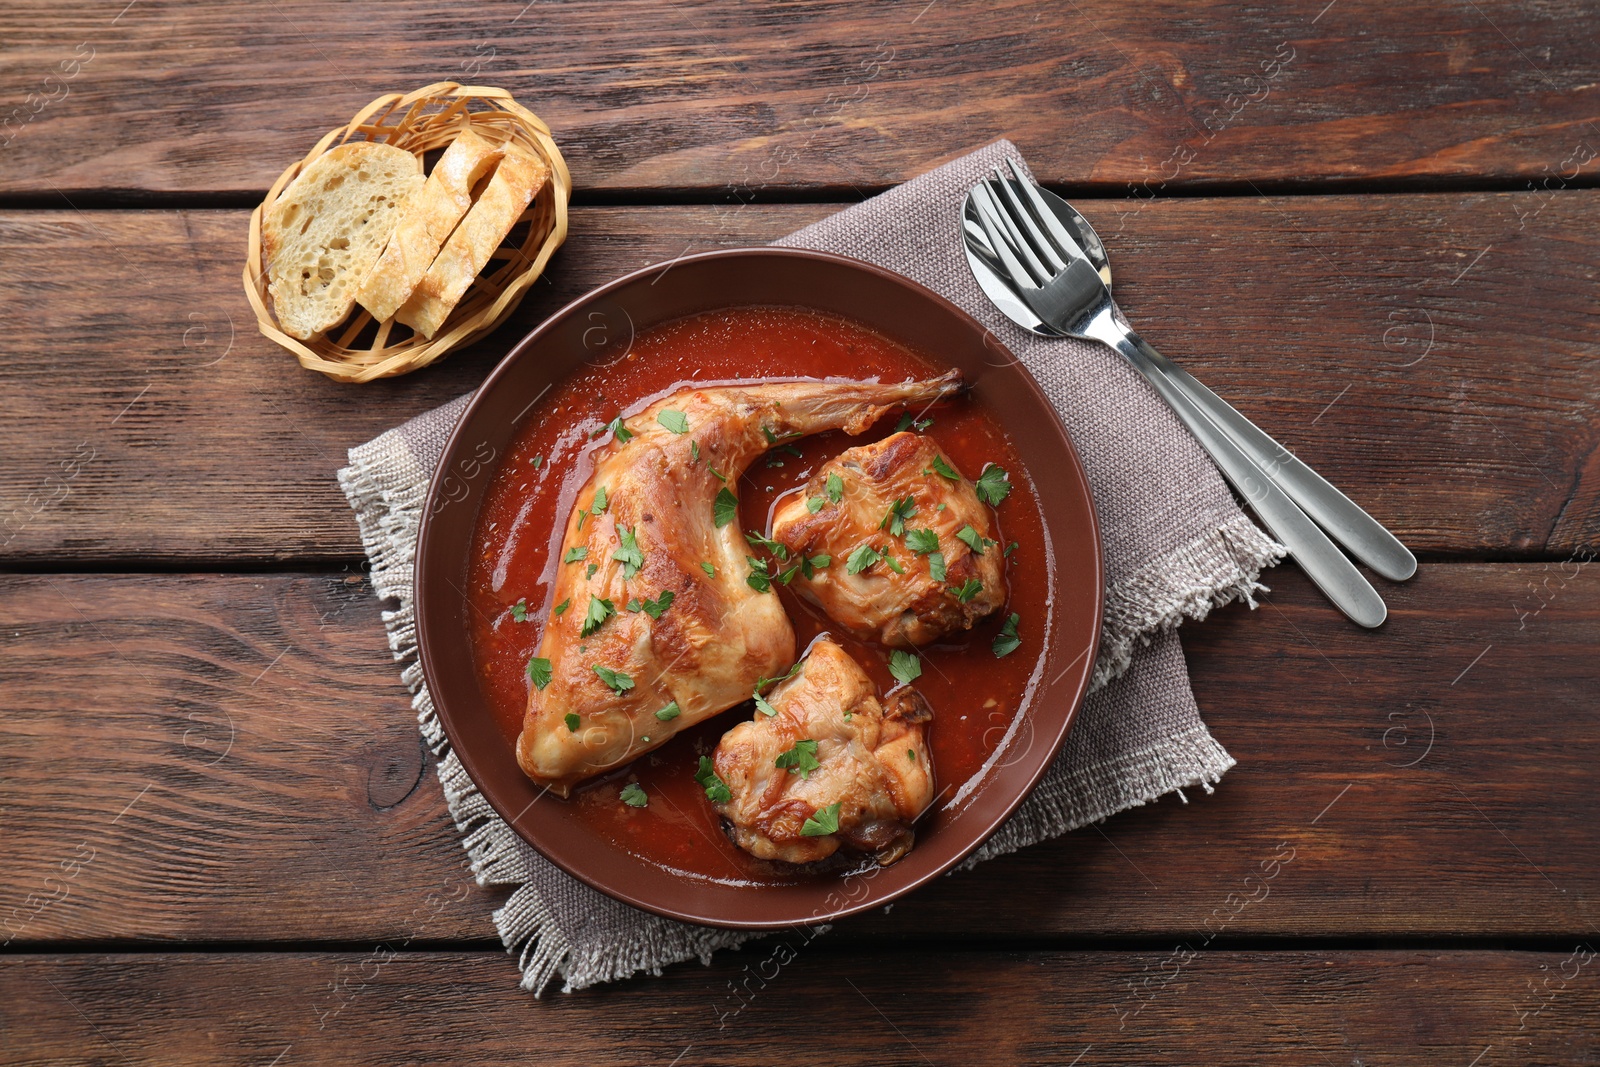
(1176, 545)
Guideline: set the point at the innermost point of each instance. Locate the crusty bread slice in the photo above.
(516, 181)
(427, 223)
(323, 234)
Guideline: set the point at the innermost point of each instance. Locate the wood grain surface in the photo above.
(117, 100)
(765, 1006)
(232, 758)
(1432, 355)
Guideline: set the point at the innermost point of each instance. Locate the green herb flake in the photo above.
(835, 488)
(629, 554)
(599, 611)
(939, 506)
(974, 540)
(801, 759)
(583, 517)
(572, 721)
(992, 485)
(717, 790)
(589, 573)
(823, 823)
(561, 608)
(758, 578)
(622, 433)
(893, 563)
(1012, 547)
(936, 568)
(941, 467)
(716, 474)
(519, 610)
(922, 541)
(763, 707)
(1006, 641)
(539, 672)
(810, 566)
(575, 554)
(676, 421)
(634, 795)
(670, 712)
(967, 590)
(537, 461)
(788, 576)
(654, 608)
(694, 451)
(762, 683)
(905, 666)
(862, 558)
(907, 422)
(911, 754)
(709, 569)
(777, 548)
(895, 518)
(598, 508)
(725, 508)
(619, 682)
(814, 504)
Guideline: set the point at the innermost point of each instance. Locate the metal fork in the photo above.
(1050, 272)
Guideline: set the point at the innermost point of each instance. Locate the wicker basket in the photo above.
(359, 349)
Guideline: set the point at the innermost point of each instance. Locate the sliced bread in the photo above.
(427, 223)
(516, 181)
(324, 233)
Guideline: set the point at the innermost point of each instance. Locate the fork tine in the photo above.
(1059, 235)
(984, 198)
(1014, 270)
(1022, 219)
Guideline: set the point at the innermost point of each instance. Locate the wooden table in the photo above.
(1373, 226)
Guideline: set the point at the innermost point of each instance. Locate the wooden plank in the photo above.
(1387, 340)
(924, 1007)
(720, 99)
(232, 758)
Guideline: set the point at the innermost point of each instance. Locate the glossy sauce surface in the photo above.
(975, 697)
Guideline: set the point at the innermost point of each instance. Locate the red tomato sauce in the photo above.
(975, 697)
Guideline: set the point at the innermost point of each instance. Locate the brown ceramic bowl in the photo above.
(894, 306)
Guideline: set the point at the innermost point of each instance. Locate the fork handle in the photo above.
(1319, 557)
(1342, 518)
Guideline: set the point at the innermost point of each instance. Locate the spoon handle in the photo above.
(1343, 519)
(1319, 557)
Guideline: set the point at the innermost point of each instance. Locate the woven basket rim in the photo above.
(418, 117)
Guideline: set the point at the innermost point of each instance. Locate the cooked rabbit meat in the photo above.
(663, 630)
(833, 767)
(903, 571)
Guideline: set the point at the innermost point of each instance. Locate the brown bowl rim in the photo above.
(752, 917)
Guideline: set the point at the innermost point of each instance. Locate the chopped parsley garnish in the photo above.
(725, 508)
(763, 707)
(561, 608)
(801, 759)
(775, 547)
(939, 506)
(589, 573)
(992, 485)
(539, 672)
(670, 712)
(623, 434)
(572, 721)
(861, 559)
(583, 517)
(835, 487)
(599, 611)
(922, 541)
(974, 540)
(941, 467)
(774, 438)
(936, 569)
(634, 795)
(576, 553)
(708, 568)
(599, 507)
(788, 576)
(967, 590)
(717, 790)
(537, 461)
(1012, 547)
(810, 566)
(895, 519)
(814, 504)
(893, 563)
(619, 682)
(653, 608)
(716, 474)
(758, 578)
(911, 754)
(1006, 641)
(762, 683)
(628, 555)
(519, 610)
(905, 666)
(694, 451)
(823, 823)
(907, 422)
(676, 421)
